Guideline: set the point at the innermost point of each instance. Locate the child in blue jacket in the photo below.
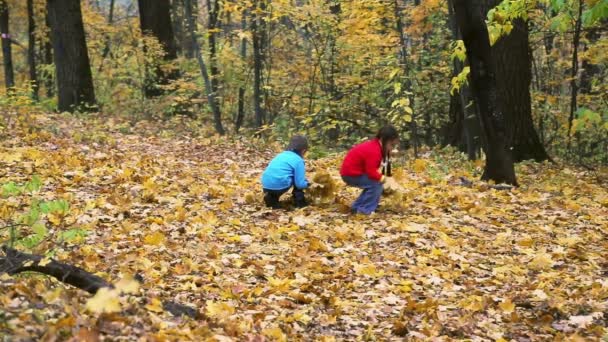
(285, 171)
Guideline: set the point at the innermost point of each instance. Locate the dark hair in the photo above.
(386, 134)
(298, 144)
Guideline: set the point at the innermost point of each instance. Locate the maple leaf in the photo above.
(154, 239)
(105, 300)
(219, 310)
(127, 285)
(541, 261)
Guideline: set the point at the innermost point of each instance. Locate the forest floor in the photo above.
(438, 260)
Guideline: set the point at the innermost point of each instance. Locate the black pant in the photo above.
(271, 197)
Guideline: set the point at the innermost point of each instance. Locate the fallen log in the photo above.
(15, 262)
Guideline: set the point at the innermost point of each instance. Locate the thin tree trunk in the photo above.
(9, 76)
(211, 98)
(74, 80)
(213, 9)
(47, 59)
(240, 115)
(574, 72)
(471, 22)
(407, 82)
(31, 48)
(106, 48)
(258, 60)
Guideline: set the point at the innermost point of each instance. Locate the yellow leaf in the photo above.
(420, 165)
(507, 305)
(368, 270)
(278, 284)
(219, 310)
(275, 333)
(155, 239)
(127, 285)
(155, 305)
(45, 261)
(105, 300)
(541, 262)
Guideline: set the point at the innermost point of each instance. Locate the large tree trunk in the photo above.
(31, 48)
(155, 21)
(9, 76)
(211, 97)
(74, 81)
(177, 16)
(463, 130)
(258, 60)
(512, 62)
(471, 22)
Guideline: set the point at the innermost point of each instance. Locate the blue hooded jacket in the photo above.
(284, 171)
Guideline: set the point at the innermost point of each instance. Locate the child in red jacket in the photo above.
(361, 168)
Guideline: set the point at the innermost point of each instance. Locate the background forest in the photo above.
(335, 70)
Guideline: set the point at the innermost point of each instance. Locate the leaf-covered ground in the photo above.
(439, 260)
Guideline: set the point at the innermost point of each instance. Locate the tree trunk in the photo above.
(512, 63)
(211, 98)
(74, 80)
(31, 49)
(213, 10)
(106, 48)
(470, 18)
(403, 56)
(190, 10)
(589, 70)
(463, 130)
(574, 71)
(240, 115)
(9, 76)
(177, 16)
(155, 21)
(47, 59)
(258, 61)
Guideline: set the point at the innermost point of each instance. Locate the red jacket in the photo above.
(364, 158)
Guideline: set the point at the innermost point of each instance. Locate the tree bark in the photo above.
(155, 21)
(177, 16)
(213, 10)
(258, 60)
(240, 115)
(74, 80)
(31, 49)
(9, 76)
(106, 48)
(512, 62)
(47, 59)
(471, 22)
(574, 71)
(463, 130)
(211, 97)
(15, 262)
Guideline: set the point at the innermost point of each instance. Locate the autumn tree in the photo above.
(9, 77)
(258, 25)
(155, 21)
(471, 22)
(74, 80)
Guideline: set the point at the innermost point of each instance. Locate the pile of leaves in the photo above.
(165, 215)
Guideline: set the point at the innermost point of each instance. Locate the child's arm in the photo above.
(299, 175)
